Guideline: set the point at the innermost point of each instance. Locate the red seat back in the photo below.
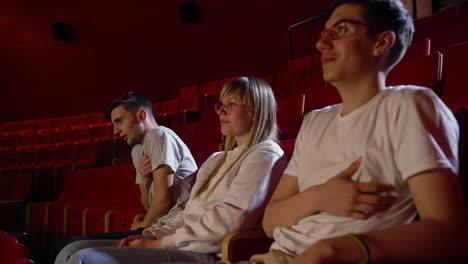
(290, 113)
(425, 71)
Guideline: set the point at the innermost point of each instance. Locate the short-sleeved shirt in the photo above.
(401, 132)
(164, 147)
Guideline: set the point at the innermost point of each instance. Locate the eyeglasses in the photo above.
(339, 29)
(227, 108)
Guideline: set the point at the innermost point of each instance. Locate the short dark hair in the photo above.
(131, 102)
(382, 15)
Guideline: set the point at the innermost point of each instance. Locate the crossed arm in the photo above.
(439, 234)
(338, 196)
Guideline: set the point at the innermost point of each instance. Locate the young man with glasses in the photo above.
(401, 142)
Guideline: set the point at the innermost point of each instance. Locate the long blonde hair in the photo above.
(258, 94)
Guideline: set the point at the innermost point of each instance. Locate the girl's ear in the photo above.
(384, 42)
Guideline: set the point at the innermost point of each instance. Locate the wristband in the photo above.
(362, 244)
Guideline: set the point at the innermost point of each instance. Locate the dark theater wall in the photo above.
(118, 46)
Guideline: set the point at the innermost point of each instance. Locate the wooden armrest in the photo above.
(240, 246)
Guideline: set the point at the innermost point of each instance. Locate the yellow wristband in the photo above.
(362, 244)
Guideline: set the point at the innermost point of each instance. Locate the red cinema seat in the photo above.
(207, 112)
(290, 113)
(39, 213)
(25, 141)
(188, 91)
(185, 132)
(437, 22)
(418, 48)
(23, 127)
(9, 160)
(98, 218)
(454, 91)
(299, 63)
(45, 185)
(63, 136)
(206, 136)
(15, 187)
(47, 157)
(321, 97)
(288, 147)
(188, 112)
(270, 79)
(120, 220)
(43, 125)
(78, 121)
(87, 154)
(166, 108)
(440, 41)
(425, 71)
(103, 131)
(209, 92)
(11, 251)
(123, 153)
(45, 139)
(13, 192)
(280, 89)
(201, 157)
(95, 153)
(95, 118)
(169, 107)
(64, 214)
(29, 159)
(8, 142)
(60, 122)
(66, 155)
(101, 193)
(83, 133)
(66, 159)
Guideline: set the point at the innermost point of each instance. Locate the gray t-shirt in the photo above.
(164, 147)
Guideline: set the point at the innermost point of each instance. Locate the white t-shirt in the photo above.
(164, 147)
(236, 204)
(399, 133)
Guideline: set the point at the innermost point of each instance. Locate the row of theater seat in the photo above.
(93, 201)
(194, 102)
(98, 149)
(56, 137)
(444, 28)
(40, 126)
(42, 169)
(97, 200)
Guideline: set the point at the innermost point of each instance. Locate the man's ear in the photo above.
(384, 42)
(141, 115)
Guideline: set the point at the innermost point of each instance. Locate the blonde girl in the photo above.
(231, 191)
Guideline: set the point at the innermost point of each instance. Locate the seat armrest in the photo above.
(240, 246)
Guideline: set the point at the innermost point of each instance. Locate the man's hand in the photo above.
(124, 242)
(316, 254)
(329, 251)
(138, 224)
(145, 170)
(140, 241)
(345, 197)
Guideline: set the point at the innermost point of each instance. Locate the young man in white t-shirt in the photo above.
(401, 142)
(164, 165)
